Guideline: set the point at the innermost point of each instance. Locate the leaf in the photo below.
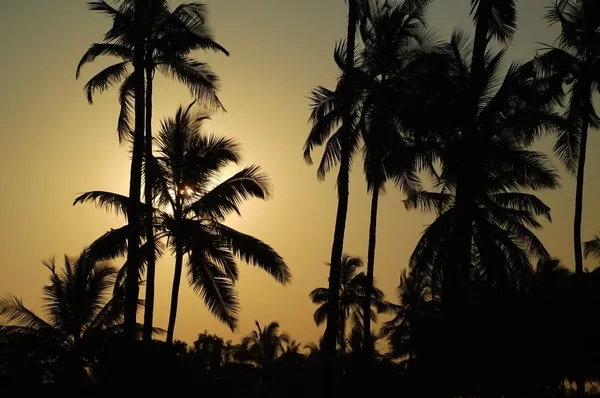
(255, 252)
(228, 195)
(12, 309)
(106, 78)
(216, 289)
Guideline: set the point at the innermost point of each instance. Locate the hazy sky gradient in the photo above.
(55, 146)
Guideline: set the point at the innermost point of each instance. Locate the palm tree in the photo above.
(356, 348)
(184, 173)
(340, 146)
(169, 36)
(514, 111)
(81, 315)
(493, 19)
(291, 355)
(352, 292)
(575, 58)
(391, 37)
(315, 351)
(262, 347)
(416, 305)
(503, 218)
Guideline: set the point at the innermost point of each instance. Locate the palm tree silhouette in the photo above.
(187, 164)
(392, 38)
(291, 355)
(416, 305)
(503, 218)
(340, 147)
(353, 290)
(137, 12)
(575, 59)
(315, 351)
(493, 19)
(262, 347)
(81, 315)
(516, 110)
(169, 37)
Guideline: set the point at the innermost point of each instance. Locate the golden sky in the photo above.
(55, 146)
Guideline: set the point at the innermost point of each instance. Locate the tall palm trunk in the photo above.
(151, 261)
(330, 369)
(135, 180)
(580, 379)
(370, 271)
(579, 195)
(458, 268)
(175, 292)
(456, 272)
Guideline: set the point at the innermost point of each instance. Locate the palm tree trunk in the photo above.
(151, 261)
(456, 273)
(343, 332)
(135, 180)
(461, 253)
(579, 196)
(580, 379)
(329, 375)
(175, 292)
(370, 271)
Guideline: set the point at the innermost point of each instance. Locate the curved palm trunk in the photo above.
(135, 180)
(151, 261)
(175, 292)
(580, 380)
(370, 272)
(329, 375)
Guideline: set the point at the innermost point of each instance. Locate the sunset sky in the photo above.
(55, 146)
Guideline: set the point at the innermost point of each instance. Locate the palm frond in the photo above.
(109, 201)
(215, 287)
(592, 247)
(231, 193)
(13, 310)
(503, 17)
(127, 102)
(106, 78)
(112, 244)
(102, 49)
(256, 252)
(202, 82)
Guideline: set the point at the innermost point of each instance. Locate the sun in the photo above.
(186, 191)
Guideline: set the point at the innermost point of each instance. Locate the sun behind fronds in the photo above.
(192, 202)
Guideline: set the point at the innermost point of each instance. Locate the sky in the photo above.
(55, 145)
